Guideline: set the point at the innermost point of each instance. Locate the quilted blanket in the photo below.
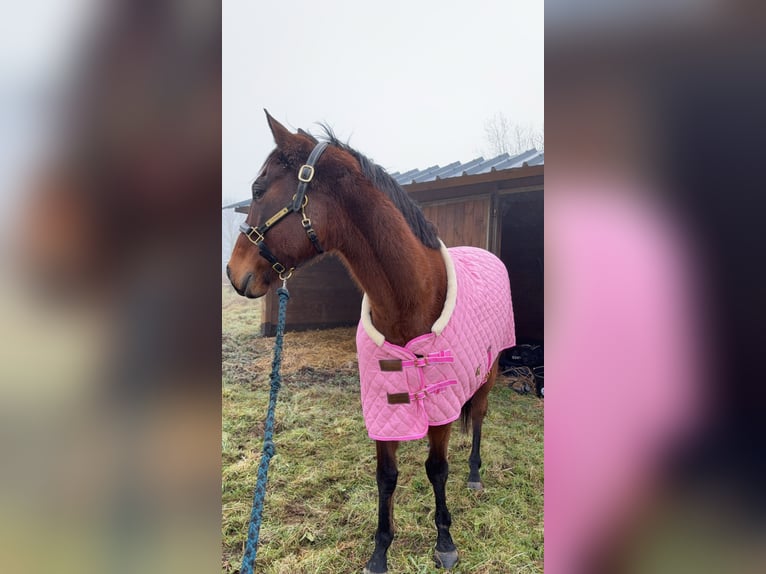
(426, 382)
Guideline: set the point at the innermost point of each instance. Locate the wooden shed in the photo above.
(495, 204)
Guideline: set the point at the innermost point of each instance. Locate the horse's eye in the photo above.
(258, 190)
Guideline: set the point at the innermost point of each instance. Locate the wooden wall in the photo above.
(460, 222)
(322, 295)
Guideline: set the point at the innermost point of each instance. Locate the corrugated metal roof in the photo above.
(456, 169)
(473, 167)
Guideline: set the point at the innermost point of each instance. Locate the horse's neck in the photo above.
(406, 294)
(405, 281)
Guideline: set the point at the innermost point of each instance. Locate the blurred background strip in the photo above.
(110, 401)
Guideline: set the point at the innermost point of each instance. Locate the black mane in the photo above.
(423, 229)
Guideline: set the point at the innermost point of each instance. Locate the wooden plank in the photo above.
(461, 223)
(473, 185)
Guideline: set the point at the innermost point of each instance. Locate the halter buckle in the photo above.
(306, 173)
(279, 268)
(249, 234)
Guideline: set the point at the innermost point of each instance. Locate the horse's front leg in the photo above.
(386, 476)
(437, 470)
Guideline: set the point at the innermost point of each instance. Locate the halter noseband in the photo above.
(257, 235)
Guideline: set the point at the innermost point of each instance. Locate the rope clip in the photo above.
(284, 276)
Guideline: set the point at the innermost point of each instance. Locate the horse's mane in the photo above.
(423, 229)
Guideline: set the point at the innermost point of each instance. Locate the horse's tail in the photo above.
(465, 415)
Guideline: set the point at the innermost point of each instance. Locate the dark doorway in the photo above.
(521, 249)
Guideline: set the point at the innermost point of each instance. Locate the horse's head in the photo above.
(288, 216)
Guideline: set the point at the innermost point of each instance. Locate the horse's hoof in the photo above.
(445, 559)
(475, 485)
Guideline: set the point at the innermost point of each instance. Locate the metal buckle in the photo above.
(279, 268)
(302, 171)
(249, 235)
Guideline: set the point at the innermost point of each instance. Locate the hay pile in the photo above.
(328, 350)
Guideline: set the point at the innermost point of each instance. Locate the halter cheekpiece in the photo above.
(257, 235)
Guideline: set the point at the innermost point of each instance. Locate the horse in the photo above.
(414, 323)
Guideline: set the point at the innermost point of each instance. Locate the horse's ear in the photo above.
(308, 135)
(282, 136)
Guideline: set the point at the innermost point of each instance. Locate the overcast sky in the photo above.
(410, 83)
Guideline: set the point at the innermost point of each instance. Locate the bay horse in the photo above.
(416, 376)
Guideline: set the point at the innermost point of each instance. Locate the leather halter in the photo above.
(257, 235)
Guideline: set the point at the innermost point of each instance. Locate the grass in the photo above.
(321, 505)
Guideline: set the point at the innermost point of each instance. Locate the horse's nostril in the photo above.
(245, 282)
(228, 272)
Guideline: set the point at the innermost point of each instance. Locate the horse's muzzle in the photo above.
(242, 287)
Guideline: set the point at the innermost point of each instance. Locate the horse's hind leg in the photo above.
(478, 412)
(437, 470)
(386, 476)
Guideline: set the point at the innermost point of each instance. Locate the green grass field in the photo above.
(321, 505)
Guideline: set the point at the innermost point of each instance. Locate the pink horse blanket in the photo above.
(426, 382)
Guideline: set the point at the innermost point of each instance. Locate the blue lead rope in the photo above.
(251, 547)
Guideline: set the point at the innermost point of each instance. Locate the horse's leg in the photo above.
(437, 470)
(386, 476)
(478, 412)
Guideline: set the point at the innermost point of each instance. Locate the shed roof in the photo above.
(473, 167)
(476, 166)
